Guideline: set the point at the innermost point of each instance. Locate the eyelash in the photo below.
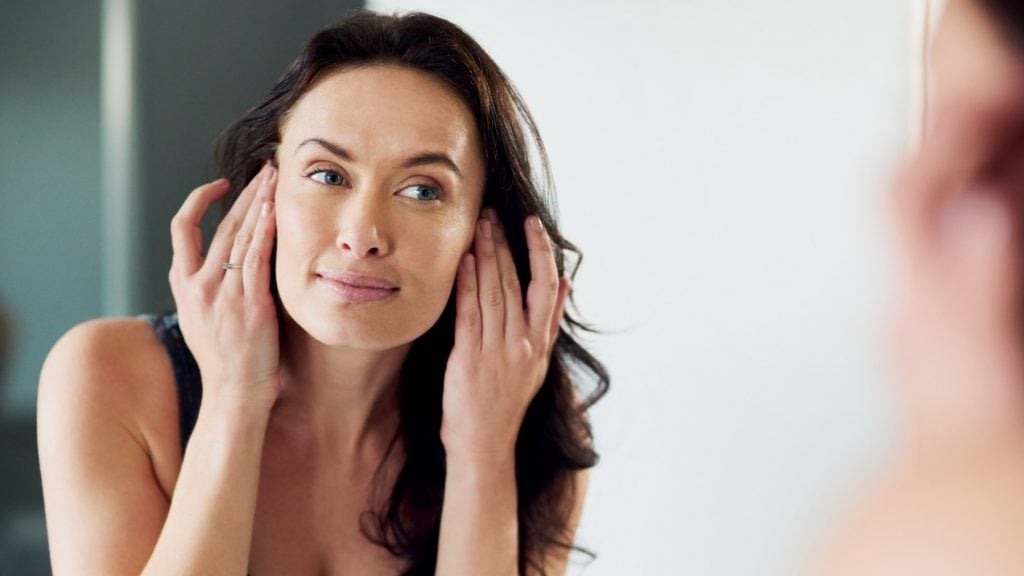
(318, 169)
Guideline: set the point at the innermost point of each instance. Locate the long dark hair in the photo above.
(555, 439)
(1009, 14)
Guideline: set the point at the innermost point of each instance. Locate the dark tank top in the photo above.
(186, 371)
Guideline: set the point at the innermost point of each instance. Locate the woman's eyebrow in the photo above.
(433, 158)
(422, 159)
(331, 147)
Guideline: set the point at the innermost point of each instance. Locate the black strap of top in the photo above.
(186, 371)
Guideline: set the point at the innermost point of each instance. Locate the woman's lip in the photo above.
(356, 293)
(358, 280)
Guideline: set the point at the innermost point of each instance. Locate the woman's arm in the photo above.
(479, 527)
(479, 521)
(210, 522)
(500, 359)
(106, 513)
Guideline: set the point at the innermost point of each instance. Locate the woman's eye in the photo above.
(421, 192)
(328, 177)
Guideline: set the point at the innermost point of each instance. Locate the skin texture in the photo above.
(371, 222)
(952, 502)
(288, 449)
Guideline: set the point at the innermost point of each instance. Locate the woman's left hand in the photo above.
(502, 350)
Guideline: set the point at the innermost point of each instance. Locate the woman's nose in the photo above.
(363, 230)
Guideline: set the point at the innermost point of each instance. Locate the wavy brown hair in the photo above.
(1009, 14)
(555, 439)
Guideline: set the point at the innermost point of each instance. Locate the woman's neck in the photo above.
(343, 397)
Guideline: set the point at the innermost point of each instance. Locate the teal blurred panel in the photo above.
(50, 213)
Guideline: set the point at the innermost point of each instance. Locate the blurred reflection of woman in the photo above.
(950, 504)
(380, 332)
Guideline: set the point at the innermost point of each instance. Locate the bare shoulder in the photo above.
(113, 366)
(106, 344)
(108, 445)
(115, 369)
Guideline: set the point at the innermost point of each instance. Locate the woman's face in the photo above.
(380, 184)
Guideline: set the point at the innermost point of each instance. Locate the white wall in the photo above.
(721, 165)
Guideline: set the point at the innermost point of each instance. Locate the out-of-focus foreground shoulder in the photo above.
(107, 434)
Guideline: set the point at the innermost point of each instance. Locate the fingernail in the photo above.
(491, 215)
(485, 229)
(266, 208)
(535, 222)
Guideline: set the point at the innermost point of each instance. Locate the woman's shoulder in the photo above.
(112, 356)
(116, 371)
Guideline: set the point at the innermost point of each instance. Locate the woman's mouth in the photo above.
(357, 288)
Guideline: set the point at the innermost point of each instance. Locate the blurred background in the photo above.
(720, 163)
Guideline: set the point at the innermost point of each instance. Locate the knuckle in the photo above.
(493, 297)
(253, 260)
(228, 227)
(511, 282)
(551, 286)
(522, 350)
(199, 292)
(243, 239)
(473, 319)
(178, 224)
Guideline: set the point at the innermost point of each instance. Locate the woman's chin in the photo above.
(342, 328)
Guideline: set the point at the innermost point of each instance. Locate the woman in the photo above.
(950, 501)
(359, 415)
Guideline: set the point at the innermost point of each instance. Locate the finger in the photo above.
(542, 294)
(467, 306)
(256, 267)
(223, 239)
(492, 300)
(244, 237)
(515, 323)
(252, 214)
(564, 286)
(186, 236)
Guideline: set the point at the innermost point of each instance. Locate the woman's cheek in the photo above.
(454, 240)
(294, 227)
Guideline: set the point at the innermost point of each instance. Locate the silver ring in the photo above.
(230, 266)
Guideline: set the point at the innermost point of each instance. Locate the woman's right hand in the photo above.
(228, 317)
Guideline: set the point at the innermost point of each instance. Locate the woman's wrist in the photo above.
(479, 461)
(230, 414)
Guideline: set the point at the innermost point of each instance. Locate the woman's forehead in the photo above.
(383, 105)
